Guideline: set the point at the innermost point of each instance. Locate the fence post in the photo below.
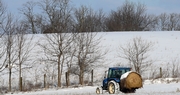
(92, 77)
(66, 75)
(45, 81)
(160, 72)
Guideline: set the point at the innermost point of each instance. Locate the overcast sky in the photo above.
(153, 6)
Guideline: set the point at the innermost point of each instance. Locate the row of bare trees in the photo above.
(128, 17)
(77, 51)
(59, 14)
(15, 46)
(168, 22)
(169, 69)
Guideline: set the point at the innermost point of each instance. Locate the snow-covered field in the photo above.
(166, 47)
(158, 88)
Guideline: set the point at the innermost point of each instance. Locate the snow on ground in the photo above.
(64, 91)
(165, 44)
(148, 89)
(166, 47)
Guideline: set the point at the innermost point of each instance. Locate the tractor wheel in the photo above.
(98, 91)
(111, 88)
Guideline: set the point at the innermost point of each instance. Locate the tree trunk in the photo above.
(59, 77)
(20, 84)
(81, 78)
(20, 81)
(68, 74)
(10, 79)
(67, 79)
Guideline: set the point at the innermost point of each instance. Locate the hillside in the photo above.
(166, 48)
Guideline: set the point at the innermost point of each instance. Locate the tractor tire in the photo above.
(113, 87)
(98, 90)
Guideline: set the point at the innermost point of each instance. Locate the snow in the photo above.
(166, 47)
(125, 75)
(165, 43)
(148, 89)
(63, 91)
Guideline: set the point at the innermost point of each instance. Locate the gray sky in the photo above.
(153, 6)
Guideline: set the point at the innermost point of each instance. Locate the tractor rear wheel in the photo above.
(111, 88)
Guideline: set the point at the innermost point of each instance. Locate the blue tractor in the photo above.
(112, 81)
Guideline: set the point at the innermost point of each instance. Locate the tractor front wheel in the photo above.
(99, 90)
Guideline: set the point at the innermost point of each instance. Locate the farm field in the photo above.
(149, 88)
(166, 48)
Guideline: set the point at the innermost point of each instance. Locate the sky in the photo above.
(153, 6)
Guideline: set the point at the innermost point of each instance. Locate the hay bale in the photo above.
(131, 80)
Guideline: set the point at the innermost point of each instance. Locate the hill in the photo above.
(165, 50)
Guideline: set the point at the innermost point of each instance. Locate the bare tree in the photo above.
(136, 53)
(174, 68)
(9, 30)
(2, 55)
(58, 21)
(88, 53)
(32, 21)
(2, 11)
(69, 60)
(153, 72)
(57, 16)
(51, 72)
(169, 22)
(129, 17)
(36, 73)
(24, 47)
(173, 21)
(86, 20)
(2, 48)
(166, 70)
(163, 21)
(55, 50)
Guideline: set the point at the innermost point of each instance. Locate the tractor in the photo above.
(120, 79)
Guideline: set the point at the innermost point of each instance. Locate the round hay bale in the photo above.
(133, 80)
